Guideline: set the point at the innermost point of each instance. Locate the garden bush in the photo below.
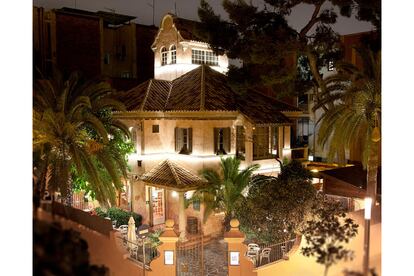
(121, 216)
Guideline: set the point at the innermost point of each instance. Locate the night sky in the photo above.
(188, 9)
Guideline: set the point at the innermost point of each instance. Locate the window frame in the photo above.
(269, 137)
(164, 56)
(173, 54)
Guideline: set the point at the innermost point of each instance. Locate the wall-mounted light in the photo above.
(368, 203)
(174, 194)
(310, 157)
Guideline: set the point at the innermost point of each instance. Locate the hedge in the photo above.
(121, 216)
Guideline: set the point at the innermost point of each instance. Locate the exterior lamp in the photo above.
(367, 215)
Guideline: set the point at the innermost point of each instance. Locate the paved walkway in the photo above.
(215, 260)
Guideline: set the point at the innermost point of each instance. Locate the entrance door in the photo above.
(158, 205)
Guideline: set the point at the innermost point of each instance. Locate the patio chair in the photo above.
(265, 254)
(253, 252)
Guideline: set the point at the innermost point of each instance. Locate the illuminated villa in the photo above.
(186, 118)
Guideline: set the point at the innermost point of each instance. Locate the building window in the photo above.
(302, 132)
(164, 55)
(240, 143)
(134, 137)
(221, 140)
(331, 65)
(106, 58)
(265, 142)
(183, 140)
(155, 128)
(203, 57)
(173, 51)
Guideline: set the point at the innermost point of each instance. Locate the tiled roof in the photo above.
(186, 27)
(204, 89)
(169, 175)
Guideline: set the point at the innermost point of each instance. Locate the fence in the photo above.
(265, 253)
(141, 251)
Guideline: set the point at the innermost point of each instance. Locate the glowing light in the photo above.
(130, 128)
(367, 203)
(174, 194)
(274, 152)
(315, 170)
(310, 157)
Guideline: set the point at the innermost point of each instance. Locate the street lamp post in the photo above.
(368, 204)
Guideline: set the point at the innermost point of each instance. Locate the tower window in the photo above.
(164, 55)
(173, 51)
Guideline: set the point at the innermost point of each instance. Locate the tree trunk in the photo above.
(325, 273)
(372, 171)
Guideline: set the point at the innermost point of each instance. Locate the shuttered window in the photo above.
(183, 140)
(240, 143)
(265, 142)
(221, 140)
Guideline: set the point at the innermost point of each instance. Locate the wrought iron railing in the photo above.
(140, 250)
(266, 253)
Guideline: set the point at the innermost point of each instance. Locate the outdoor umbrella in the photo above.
(132, 236)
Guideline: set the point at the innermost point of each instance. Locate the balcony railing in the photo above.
(268, 253)
(139, 250)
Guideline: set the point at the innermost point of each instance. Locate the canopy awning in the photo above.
(171, 176)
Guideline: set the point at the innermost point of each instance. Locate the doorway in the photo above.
(157, 205)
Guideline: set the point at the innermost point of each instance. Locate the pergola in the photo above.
(171, 176)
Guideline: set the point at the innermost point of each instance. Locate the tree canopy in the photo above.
(72, 132)
(269, 47)
(276, 208)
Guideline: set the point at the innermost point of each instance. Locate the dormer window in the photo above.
(173, 51)
(164, 55)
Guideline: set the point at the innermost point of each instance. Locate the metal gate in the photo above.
(190, 257)
(200, 256)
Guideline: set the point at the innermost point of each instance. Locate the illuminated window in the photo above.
(183, 140)
(204, 57)
(164, 55)
(221, 140)
(173, 51)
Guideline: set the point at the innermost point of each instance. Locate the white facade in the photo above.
(175, 56)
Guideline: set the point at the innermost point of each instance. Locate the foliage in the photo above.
(326, 233)
(65, 254)
(262, 38)
(276, 208)
(224, 191)
(119, 144)
(356, 105)
(72, 126)
(121, 216)
(154, 237)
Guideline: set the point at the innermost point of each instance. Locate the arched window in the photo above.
(173, 51)
(164, 55)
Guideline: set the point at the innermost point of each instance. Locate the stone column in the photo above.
(248, 140)
(181, 215)
(287, 152)
(235, 239)
(168, 244)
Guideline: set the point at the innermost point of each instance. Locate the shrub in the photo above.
(121, 216)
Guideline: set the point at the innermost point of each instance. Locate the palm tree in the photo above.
(224, 191)
(355, 114)
(71, 132)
